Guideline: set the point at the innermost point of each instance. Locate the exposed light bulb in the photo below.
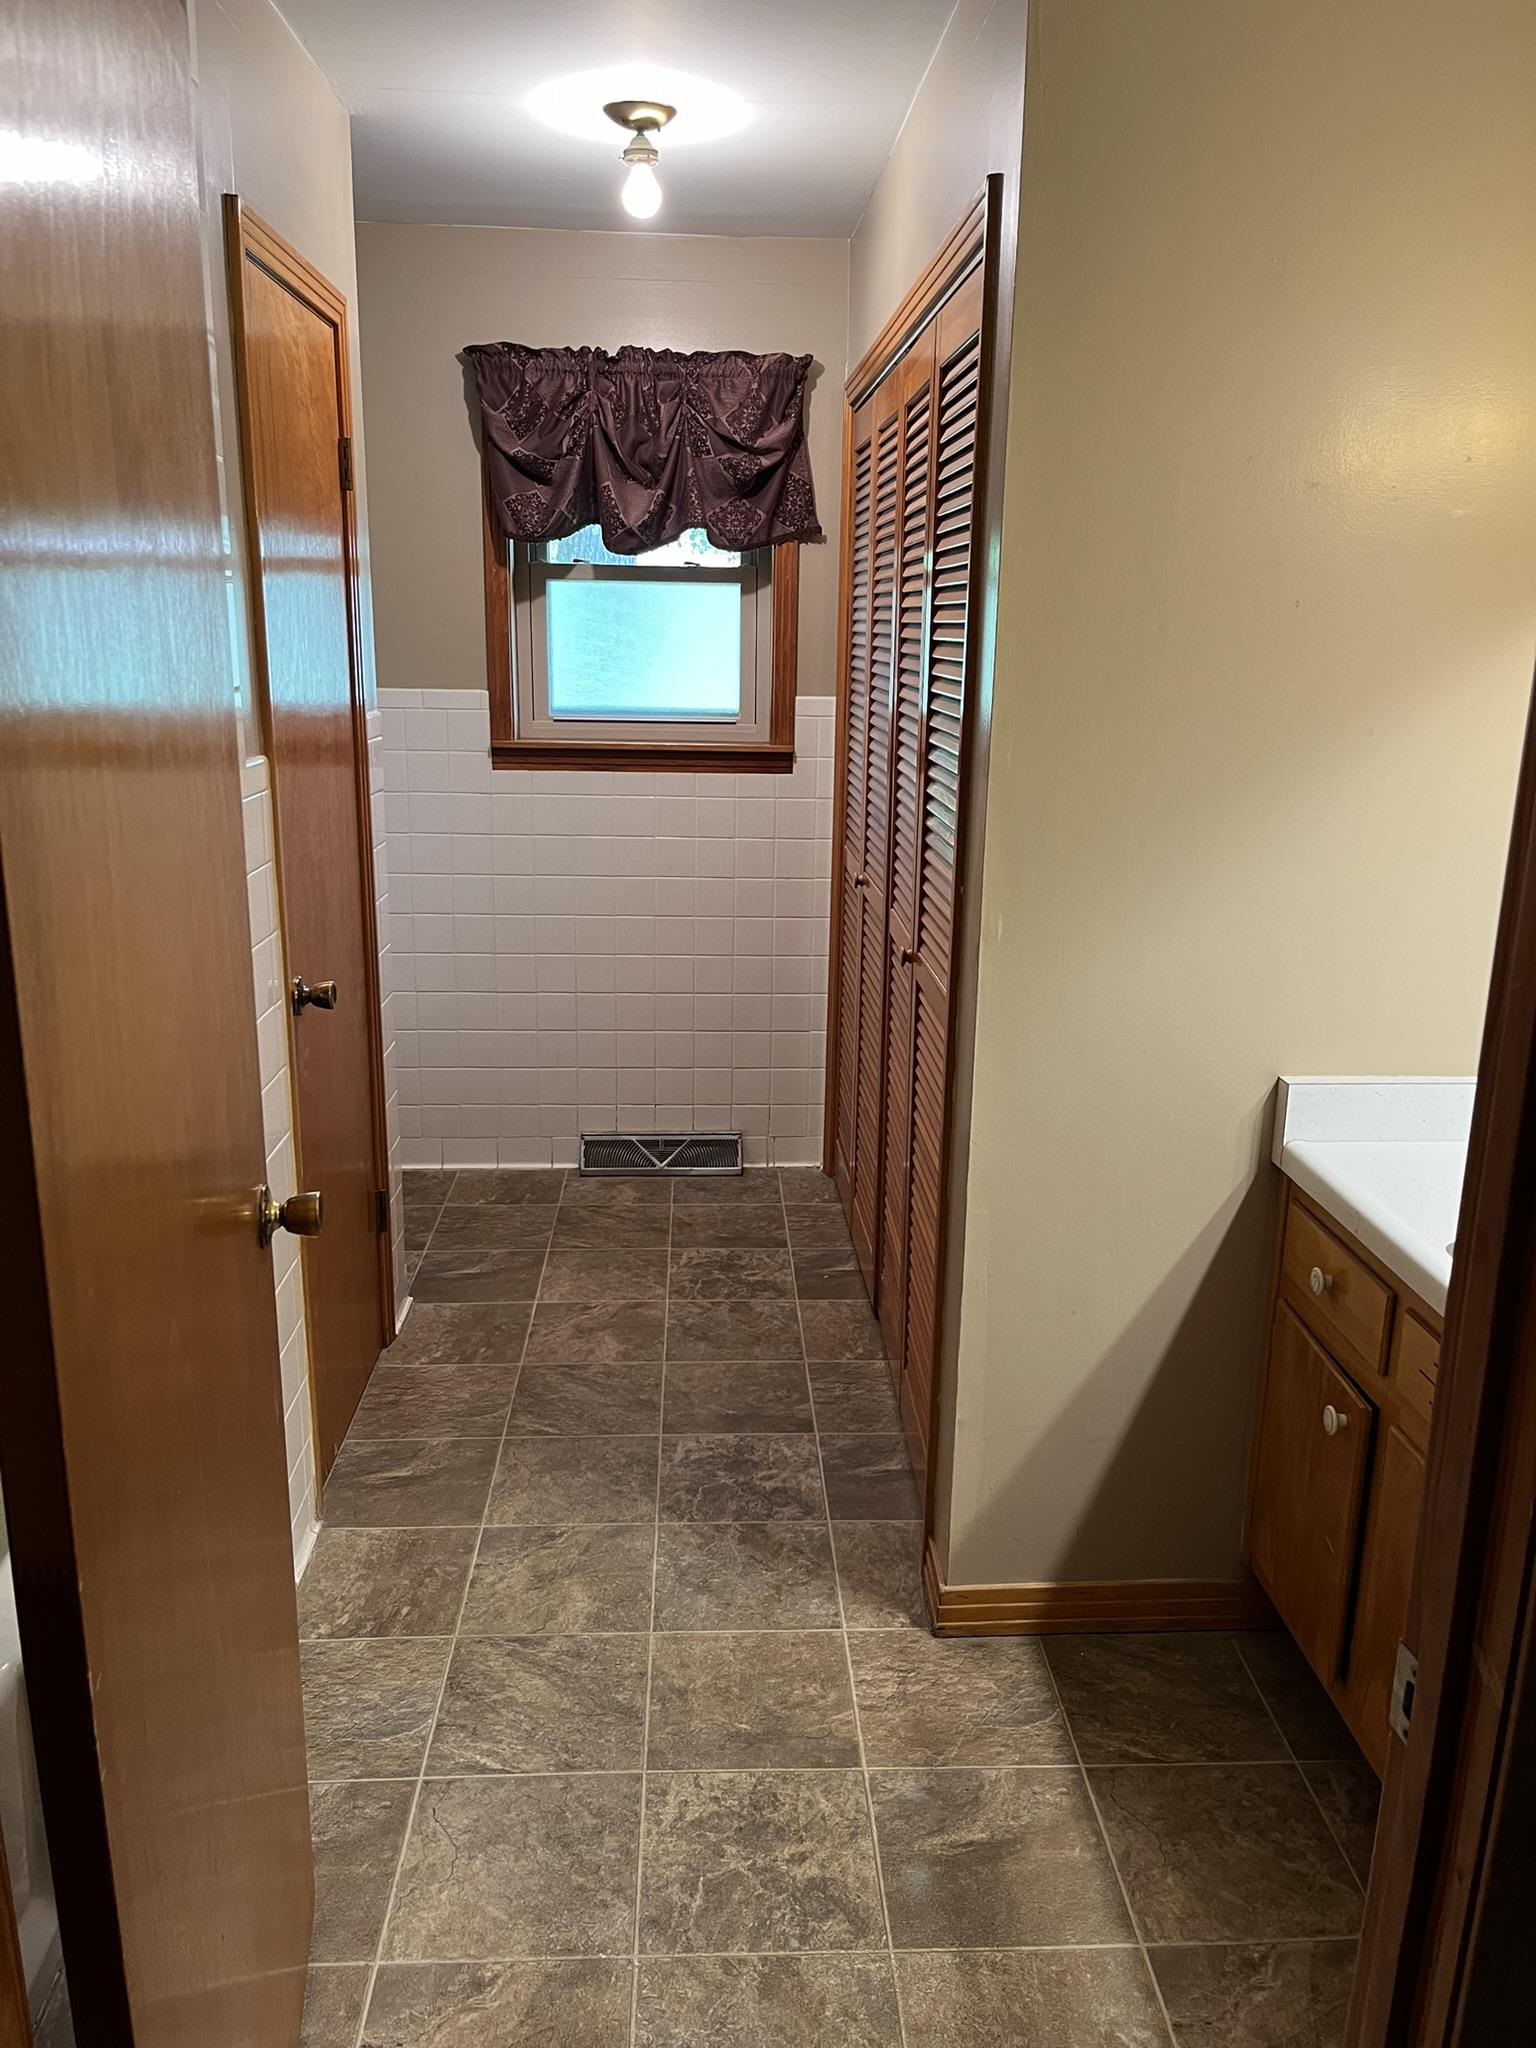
(642, 192)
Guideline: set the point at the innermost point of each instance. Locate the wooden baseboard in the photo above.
(1090, 1607)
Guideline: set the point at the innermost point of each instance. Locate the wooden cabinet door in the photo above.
(855, 772)
(1386, 1578)
(1305, 1528)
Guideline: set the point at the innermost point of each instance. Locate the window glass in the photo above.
(643, 647)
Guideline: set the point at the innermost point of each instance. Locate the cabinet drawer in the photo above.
(1415, 1370)
(1339, 1298)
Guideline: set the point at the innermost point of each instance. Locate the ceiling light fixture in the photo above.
(641, 193)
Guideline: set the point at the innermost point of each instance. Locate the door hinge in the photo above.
(1405, 1681)
(381, 1209)
(344, 459)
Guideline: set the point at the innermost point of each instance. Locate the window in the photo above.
(683, 656)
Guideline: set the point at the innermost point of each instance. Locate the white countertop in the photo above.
(1384, 1157)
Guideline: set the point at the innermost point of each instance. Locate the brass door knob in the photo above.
(320, 995)
(300, 1214)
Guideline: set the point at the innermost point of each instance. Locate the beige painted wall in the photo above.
(428, 290)
(1267, 630)
(964, 122)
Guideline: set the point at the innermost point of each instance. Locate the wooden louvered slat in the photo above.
(856, 757)
(930, 1065)
(870, 1086)
(883, 578)
(847, 1079)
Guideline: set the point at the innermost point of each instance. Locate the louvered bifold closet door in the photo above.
(914, 381)
(855, 769)
(955, 455)
(866, 850)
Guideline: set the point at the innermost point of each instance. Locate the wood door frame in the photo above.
(975, 241)
(248, 238)
(1459, 1785)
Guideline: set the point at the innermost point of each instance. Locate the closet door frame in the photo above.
(974, 243)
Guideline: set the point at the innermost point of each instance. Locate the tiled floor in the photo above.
(624, 1727)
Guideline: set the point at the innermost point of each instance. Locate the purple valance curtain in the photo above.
(646, 443)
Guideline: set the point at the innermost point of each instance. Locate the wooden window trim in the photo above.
(773, 756)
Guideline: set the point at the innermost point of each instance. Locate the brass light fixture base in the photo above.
(641, 115)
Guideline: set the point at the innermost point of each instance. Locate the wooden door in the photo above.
(141, 1435)
(291, 344)
(866, 814)
(914, 388)
(1307, 1491)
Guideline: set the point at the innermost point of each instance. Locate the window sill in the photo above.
(650, 758)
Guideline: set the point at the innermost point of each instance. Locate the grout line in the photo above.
(1290, 1750)
(853, 1690)
(1087, 1784)
(742, 1955)
(650, 1638)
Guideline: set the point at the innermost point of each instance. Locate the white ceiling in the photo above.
(442, 127)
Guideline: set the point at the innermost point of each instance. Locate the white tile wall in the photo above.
(271, 985)
(578, 952)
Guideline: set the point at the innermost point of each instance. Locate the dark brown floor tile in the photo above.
(412, 1268)
(561, 1581)
(619, 1333)
(732, 1329)
(646, 1227)
(419, 1226)
(748, 1225)
(488, 1228)
(1308, 1719)
(604, 1273)
(1056, 1998)
(738, 1396)
(427, 1186)
(1225, 1852)
(409, 1484)
(829, 1275)
(767, 1575)
(333, 2005)
(1350, 1796)
(1290, 1994)
(751, 1860)
(880, 1573)
(357, 1831)
(994, 1859)
(616, 1193)
(816, 1226)
(501, 2005)
(767, 2002)
(757, 1184)
(855, 1397)
(869, 1479)
(740, 1479)
(751, 1702)
(542, 1703)
(801, 1184)
(368, 1706)
(462, 1333)
(841, 1329)
(478, 1276)
(517, 1187)
(384, 1582)
(927, 1701)
(434, 1400)
(575, 1479)
(587, 1400)
(1173, 1699)
(503, 1867)
(733, 1275)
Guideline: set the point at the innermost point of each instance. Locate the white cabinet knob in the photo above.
(1319, 1281)
(1334, 1419)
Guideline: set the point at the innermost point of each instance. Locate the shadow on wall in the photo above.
(1172, 1475)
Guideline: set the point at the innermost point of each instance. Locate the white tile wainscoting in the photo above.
(586, 952)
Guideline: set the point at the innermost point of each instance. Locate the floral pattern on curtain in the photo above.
(645, 443)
